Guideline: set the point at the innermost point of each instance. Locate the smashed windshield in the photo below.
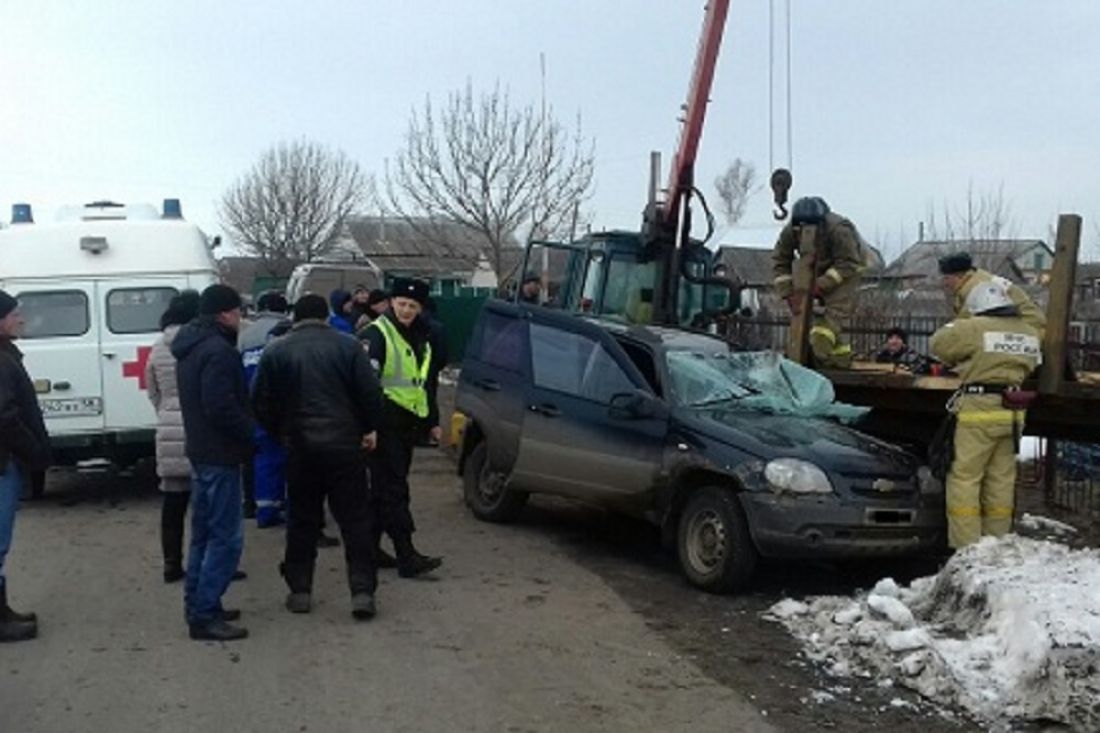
(757, 380)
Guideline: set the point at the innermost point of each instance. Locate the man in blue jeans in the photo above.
(24, 447)
(219, 431)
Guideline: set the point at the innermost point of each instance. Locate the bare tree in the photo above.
(499, 171)
(290, 207)
(735, 186)
(983, 217)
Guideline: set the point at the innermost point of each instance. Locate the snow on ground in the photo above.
(1009, 630)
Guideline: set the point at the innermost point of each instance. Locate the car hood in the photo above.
(828, 444)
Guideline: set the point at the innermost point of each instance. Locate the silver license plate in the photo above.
(76, 407)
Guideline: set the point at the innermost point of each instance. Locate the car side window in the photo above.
(575, 364)
(501, 344)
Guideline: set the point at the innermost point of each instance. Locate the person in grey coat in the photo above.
(173, 468)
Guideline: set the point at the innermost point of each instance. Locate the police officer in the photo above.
(269, 463)
(399, 346)
(960, 277)
(837, 264)
(994, 350)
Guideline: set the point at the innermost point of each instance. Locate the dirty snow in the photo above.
(1009, 629)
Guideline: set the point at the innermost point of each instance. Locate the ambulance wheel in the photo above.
(486, 491)
(716, 551)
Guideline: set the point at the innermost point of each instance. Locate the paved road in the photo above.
(516, 634)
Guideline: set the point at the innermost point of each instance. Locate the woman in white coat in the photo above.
(173, 468)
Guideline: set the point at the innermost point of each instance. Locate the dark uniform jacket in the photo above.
(213, 396)
(22, 431)
(315, 389)
(418, 335)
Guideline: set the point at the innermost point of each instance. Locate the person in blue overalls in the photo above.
(269, 463)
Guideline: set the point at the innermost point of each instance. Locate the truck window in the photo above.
(576, 365)
(629, 292)
(137, 310)
(54, 313)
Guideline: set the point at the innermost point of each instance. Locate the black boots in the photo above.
(217, 630)
(15, 626)
(411, 563)
(299, 579)
(171, 539)
(362, 582)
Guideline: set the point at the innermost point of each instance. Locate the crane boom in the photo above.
(682, 174)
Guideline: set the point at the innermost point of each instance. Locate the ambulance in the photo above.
(92, 287)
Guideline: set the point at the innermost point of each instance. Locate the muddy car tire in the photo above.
(716, 551)
(484, 490)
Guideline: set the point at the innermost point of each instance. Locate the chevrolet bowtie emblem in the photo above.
(883, 485)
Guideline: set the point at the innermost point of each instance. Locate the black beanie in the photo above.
(218, 298)
(7, 304)
(377, 296)
(310, 307)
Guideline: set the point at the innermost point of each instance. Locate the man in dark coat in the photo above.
(400, 351)
(24, 448)
(219, 438)
(316, 392)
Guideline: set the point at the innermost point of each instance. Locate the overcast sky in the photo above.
(896, 105)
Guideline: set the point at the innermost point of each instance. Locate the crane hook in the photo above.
(781, 183)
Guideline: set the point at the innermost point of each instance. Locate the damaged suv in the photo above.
(735, 455)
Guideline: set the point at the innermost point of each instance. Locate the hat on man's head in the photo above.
(7, 304)
(218, 298)
(407, 287)
(272, 301)
(530, 277)
(310, 307)
(953, 264)
(377, 296)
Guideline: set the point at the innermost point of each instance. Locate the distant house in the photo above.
(446, 253)
(1023, 261)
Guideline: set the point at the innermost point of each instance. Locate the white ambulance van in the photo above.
(92, 288)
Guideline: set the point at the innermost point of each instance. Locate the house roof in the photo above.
(425, 247)
(753, 265)
(998, 256)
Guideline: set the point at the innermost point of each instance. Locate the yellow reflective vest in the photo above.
(403, 379)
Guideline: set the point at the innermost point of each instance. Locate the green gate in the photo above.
(458, 314)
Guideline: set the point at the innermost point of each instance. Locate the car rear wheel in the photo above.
(713, 541)
(486, 491)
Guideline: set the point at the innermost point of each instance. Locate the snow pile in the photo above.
(1008, 629)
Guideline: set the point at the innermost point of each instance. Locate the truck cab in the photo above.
(92, 287)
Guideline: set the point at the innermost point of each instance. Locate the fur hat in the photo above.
(407, 287)
(956, 263)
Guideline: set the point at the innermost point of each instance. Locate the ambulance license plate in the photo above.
(78, 407)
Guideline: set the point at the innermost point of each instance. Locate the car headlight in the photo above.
(800, 477)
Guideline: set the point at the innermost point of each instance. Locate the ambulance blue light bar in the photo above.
(21, 214)
(172, 209)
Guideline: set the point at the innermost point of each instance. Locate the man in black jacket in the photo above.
(24, 447)
(400, 351)
(316, 392)
(218, 430)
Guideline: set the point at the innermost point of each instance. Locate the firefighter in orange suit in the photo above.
(993, 350)
(838, 262)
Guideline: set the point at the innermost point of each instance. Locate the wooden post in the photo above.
(798, 340)
(1063, 278)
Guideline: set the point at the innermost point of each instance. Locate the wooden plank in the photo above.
(798, 340)
(1063, 277)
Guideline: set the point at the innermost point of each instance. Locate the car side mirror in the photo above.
(637, 405)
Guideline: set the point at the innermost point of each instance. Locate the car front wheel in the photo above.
(486, 491)
(716, 551)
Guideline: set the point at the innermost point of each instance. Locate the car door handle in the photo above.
(61, 386)
(108, 355)
(547, 410)
(488, 385)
